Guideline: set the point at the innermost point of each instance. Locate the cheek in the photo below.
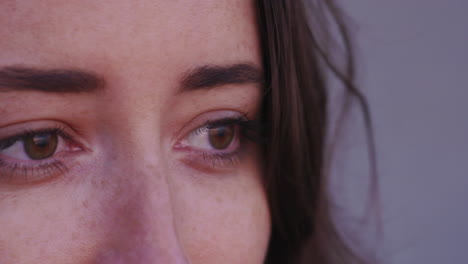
(216, 218)
(223, 220)
(43, 225)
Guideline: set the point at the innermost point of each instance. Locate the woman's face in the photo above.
(123, 132)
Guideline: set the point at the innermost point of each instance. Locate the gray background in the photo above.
(414, 69)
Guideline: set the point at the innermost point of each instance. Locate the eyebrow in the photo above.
(51, 81)
(210, 76)
(20, 78)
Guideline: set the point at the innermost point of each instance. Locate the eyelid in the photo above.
(204, 119)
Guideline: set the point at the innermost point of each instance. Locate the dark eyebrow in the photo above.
(50, 81)
(209, 76)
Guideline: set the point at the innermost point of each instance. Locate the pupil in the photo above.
(40, 146)
(41, 141)
(221, 132)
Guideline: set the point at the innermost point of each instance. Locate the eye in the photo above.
(218, 141)
(37, 155)
(215, 137)
(33, 146)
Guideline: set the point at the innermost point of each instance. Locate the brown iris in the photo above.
(40, 146)
(221, 137)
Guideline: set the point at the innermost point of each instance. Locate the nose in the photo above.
(141, 226)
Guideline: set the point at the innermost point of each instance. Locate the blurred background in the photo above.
(413, 67)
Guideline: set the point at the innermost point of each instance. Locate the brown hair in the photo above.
(297, 44)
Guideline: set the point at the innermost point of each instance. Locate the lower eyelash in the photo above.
(25, 174)
(222, 159)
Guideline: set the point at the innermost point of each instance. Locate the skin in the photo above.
(128, 194)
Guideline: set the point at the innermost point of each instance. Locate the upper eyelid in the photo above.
(27, 133)
(217, 123)
(204, 119)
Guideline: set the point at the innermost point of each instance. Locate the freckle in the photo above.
(94, 182)
(103, 182)
(74, 236)
(93, 225)
(14, 202)
(81, 219)
(114, 157)
(150, 167)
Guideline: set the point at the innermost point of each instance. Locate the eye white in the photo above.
(199, 139)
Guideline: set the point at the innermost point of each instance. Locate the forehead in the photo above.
(156, 33)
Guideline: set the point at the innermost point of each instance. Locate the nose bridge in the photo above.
(139, 210)
(143, 227)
